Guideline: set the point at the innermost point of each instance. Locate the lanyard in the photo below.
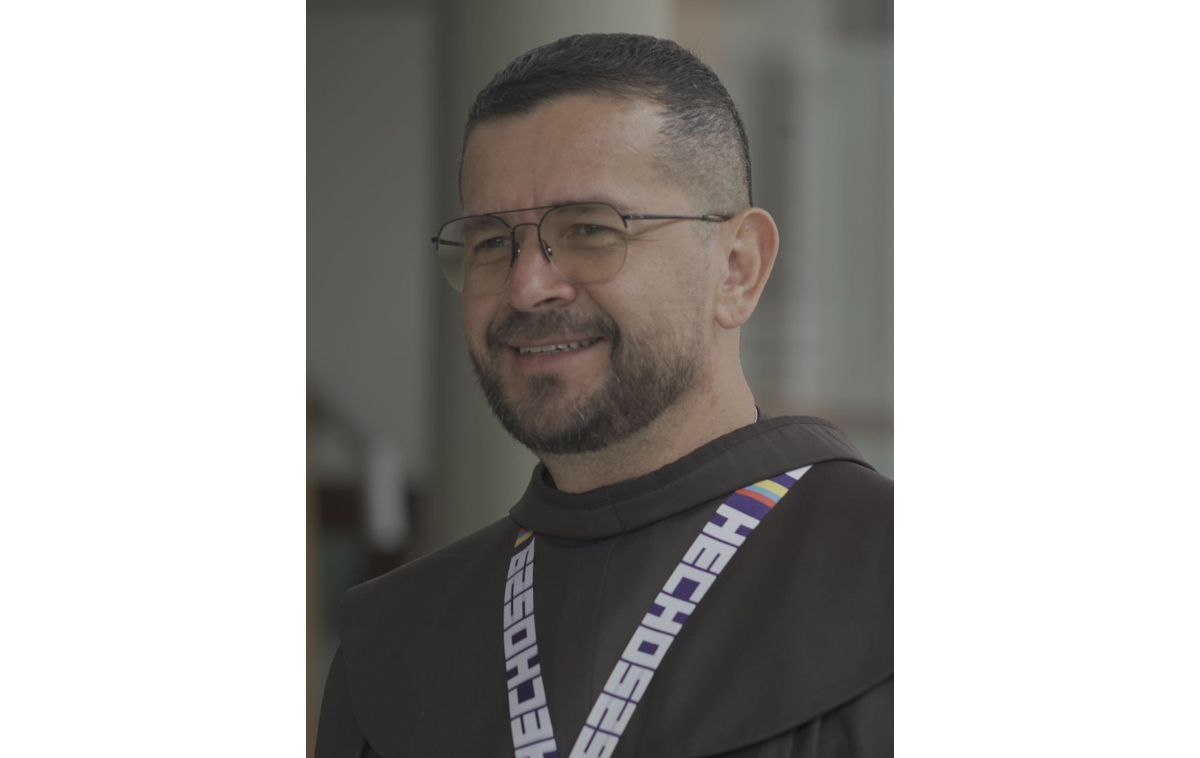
(718, 541)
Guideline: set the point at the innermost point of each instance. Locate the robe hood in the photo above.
(760, 450)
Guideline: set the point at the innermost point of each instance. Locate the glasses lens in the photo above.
(587, 242)
(475, 254)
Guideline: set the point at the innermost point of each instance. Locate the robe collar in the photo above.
(757, 451)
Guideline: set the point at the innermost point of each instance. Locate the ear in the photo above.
(751, 245)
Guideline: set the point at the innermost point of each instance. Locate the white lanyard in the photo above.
(533, 737)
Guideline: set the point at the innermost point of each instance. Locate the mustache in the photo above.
(519, 326)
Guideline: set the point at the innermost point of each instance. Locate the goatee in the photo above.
(645, 377)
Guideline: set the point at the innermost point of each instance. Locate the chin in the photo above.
(558, 425)
(549, 415)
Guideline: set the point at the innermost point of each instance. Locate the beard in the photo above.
(644, 379)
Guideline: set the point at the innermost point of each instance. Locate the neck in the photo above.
(697, 418)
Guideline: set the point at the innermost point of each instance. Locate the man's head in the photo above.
(703, 141)
(589, 119)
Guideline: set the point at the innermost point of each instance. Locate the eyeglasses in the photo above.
(585, 242)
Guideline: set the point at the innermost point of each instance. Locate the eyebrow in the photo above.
(593, 199)
(562, 201)
(476, 223)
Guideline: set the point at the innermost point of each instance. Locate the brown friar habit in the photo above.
(788, 654)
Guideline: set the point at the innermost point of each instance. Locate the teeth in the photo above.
(561, 347)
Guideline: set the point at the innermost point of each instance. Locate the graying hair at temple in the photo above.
(705, 142)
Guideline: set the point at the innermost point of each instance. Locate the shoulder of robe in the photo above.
(414, 637)
(798, 624)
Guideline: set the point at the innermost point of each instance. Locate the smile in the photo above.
(561, 347)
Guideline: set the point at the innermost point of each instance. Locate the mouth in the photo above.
(558, 347)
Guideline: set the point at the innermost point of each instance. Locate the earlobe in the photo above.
(751, 249)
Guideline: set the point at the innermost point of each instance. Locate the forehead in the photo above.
(579, 147)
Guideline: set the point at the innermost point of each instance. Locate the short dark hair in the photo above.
(704, 140)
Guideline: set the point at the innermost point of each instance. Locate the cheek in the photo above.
(657, 298)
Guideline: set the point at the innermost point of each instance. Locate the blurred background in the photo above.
(394, 416)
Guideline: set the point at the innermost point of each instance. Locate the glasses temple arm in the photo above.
(655, 217)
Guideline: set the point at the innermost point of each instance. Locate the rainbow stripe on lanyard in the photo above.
(718, 541)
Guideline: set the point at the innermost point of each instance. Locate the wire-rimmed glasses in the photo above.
(585, 242)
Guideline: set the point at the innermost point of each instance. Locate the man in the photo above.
(707, 580)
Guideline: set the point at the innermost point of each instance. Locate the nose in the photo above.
(533, 282)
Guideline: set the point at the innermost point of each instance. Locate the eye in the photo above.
(590, 230)
(489, 250)
(492, 243)
(489, 247)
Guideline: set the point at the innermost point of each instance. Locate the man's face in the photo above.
(638, 341)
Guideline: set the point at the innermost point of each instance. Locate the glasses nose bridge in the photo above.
(537, 233)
